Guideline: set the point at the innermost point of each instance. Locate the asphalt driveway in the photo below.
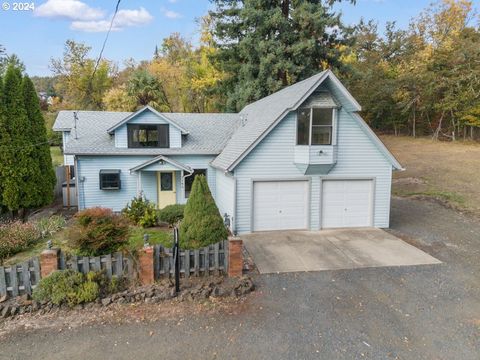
(404, 312)
(291, 251)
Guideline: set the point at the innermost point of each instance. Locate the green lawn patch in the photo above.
(447, 196)
(57, 156)
(157, 236)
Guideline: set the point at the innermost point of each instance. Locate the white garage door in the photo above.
(347, 203)
(280, 205)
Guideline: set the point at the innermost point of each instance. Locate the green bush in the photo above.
(61, 287)
(98, 231)
(16, 237)
(73, 288)
(141, 212)
(202, 224)
(171, 214)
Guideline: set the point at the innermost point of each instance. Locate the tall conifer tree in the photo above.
(16, 163)
(43, 180)
(266, 45)
(1, 132)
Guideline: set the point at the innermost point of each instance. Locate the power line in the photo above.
(105, 42)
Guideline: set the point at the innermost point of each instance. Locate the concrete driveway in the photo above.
(291, 251)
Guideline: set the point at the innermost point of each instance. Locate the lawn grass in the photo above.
(157, 236)
(442, 170)
(57, 156)
(59, 240)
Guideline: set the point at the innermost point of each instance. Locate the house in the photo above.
(301, 158)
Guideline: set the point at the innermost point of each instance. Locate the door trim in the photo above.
(174, 185)
(274, 179)
(349, 178)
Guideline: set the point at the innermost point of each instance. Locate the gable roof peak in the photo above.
(140, 111)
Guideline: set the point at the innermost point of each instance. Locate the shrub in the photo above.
(98, 231)
(171, 214)
(16, 237)
(202, 224)
(49, 226)
(61, 287)
(141, 212)
(73, 288)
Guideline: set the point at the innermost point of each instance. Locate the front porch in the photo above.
(162, 181)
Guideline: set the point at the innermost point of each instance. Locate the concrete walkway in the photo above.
(290, 251)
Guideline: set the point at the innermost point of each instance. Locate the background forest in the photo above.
(423, 80)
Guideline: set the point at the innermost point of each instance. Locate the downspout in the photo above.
(182, 182)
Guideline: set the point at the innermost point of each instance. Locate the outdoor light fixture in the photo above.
(226, 220)
(146, 237)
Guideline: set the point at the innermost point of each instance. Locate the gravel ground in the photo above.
(417, 312)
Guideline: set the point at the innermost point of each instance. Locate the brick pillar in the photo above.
(235, 256)
(145, 259)
(48, 262)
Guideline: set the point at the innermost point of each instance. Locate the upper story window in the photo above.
(148, 136)
(315, 126)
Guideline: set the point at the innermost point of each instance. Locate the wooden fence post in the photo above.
(48, 262)
(145, 259)
(235, 256)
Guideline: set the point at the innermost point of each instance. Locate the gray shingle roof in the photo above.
(261, 116)
(230, 136)
(208, 133)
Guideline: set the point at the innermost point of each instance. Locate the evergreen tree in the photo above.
(1, 132)
(202, 224)
(266, 45)
(43, 183)
(16, 163)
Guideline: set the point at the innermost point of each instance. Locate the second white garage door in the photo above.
(280, 205)
(347, 203)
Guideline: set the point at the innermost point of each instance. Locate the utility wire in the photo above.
(105, 42)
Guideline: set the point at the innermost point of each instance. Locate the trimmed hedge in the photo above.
(202, 224)
(171, 214)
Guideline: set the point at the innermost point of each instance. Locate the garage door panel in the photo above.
(347, 203)
(280, 205)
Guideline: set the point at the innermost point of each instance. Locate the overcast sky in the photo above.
(38, 35)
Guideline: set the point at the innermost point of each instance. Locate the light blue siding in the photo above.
(67, 159)
(195, 162)
(359, 157)
(225, 193)
(147, 117)
(90, 195)
(274, 158)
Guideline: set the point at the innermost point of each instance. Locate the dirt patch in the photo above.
(448, 172)
(117, 314)
(144, 304)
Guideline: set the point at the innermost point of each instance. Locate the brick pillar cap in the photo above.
(147, 249)
(50, 252)
(234, 238)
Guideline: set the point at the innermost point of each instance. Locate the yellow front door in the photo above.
(167, 192)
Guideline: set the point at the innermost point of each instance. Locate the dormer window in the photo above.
(148, 136)
(315, 126)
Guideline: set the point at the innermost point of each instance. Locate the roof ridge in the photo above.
(320, 74)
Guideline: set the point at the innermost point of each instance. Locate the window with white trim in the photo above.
(315, 126)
